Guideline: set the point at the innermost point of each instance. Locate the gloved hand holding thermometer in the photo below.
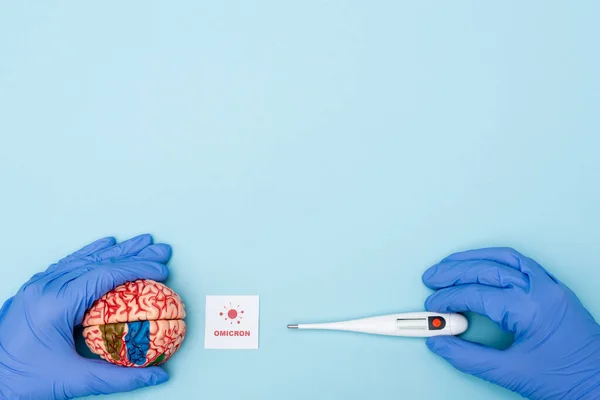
(556, 353)
(37, 350)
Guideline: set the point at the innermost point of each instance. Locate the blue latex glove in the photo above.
(38, 359)
(556, 353)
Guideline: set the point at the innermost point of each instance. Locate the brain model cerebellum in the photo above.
(138, 324)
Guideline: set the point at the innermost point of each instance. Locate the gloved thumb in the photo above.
(468, 357)
(101, 377)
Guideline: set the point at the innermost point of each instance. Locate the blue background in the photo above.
(321, 154)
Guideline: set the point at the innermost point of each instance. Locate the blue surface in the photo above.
(319, 154)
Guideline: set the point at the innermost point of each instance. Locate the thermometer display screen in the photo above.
(412, 323)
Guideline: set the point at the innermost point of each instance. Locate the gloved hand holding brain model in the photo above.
(38, 358)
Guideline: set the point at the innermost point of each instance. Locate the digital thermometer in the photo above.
(416, 324)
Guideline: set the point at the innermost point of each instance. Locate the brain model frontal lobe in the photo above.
(138, 324)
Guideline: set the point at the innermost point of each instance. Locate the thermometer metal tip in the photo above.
(419, 324)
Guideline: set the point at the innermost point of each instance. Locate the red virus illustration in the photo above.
(232, 314)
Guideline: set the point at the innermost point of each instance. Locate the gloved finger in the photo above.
(130, 247)
(491, 273)
(91, 248)
(100, 377)
(87, 250)
(503, 255)
(5, 307)
(468, 357)
(96, 282)
(35, 278)
(485, 300)
(116, 251)
(159, 252)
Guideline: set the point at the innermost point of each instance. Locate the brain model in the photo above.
(137, 324)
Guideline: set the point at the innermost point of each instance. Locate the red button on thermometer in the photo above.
(417, 324)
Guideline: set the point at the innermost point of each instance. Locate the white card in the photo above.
(231, 322)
